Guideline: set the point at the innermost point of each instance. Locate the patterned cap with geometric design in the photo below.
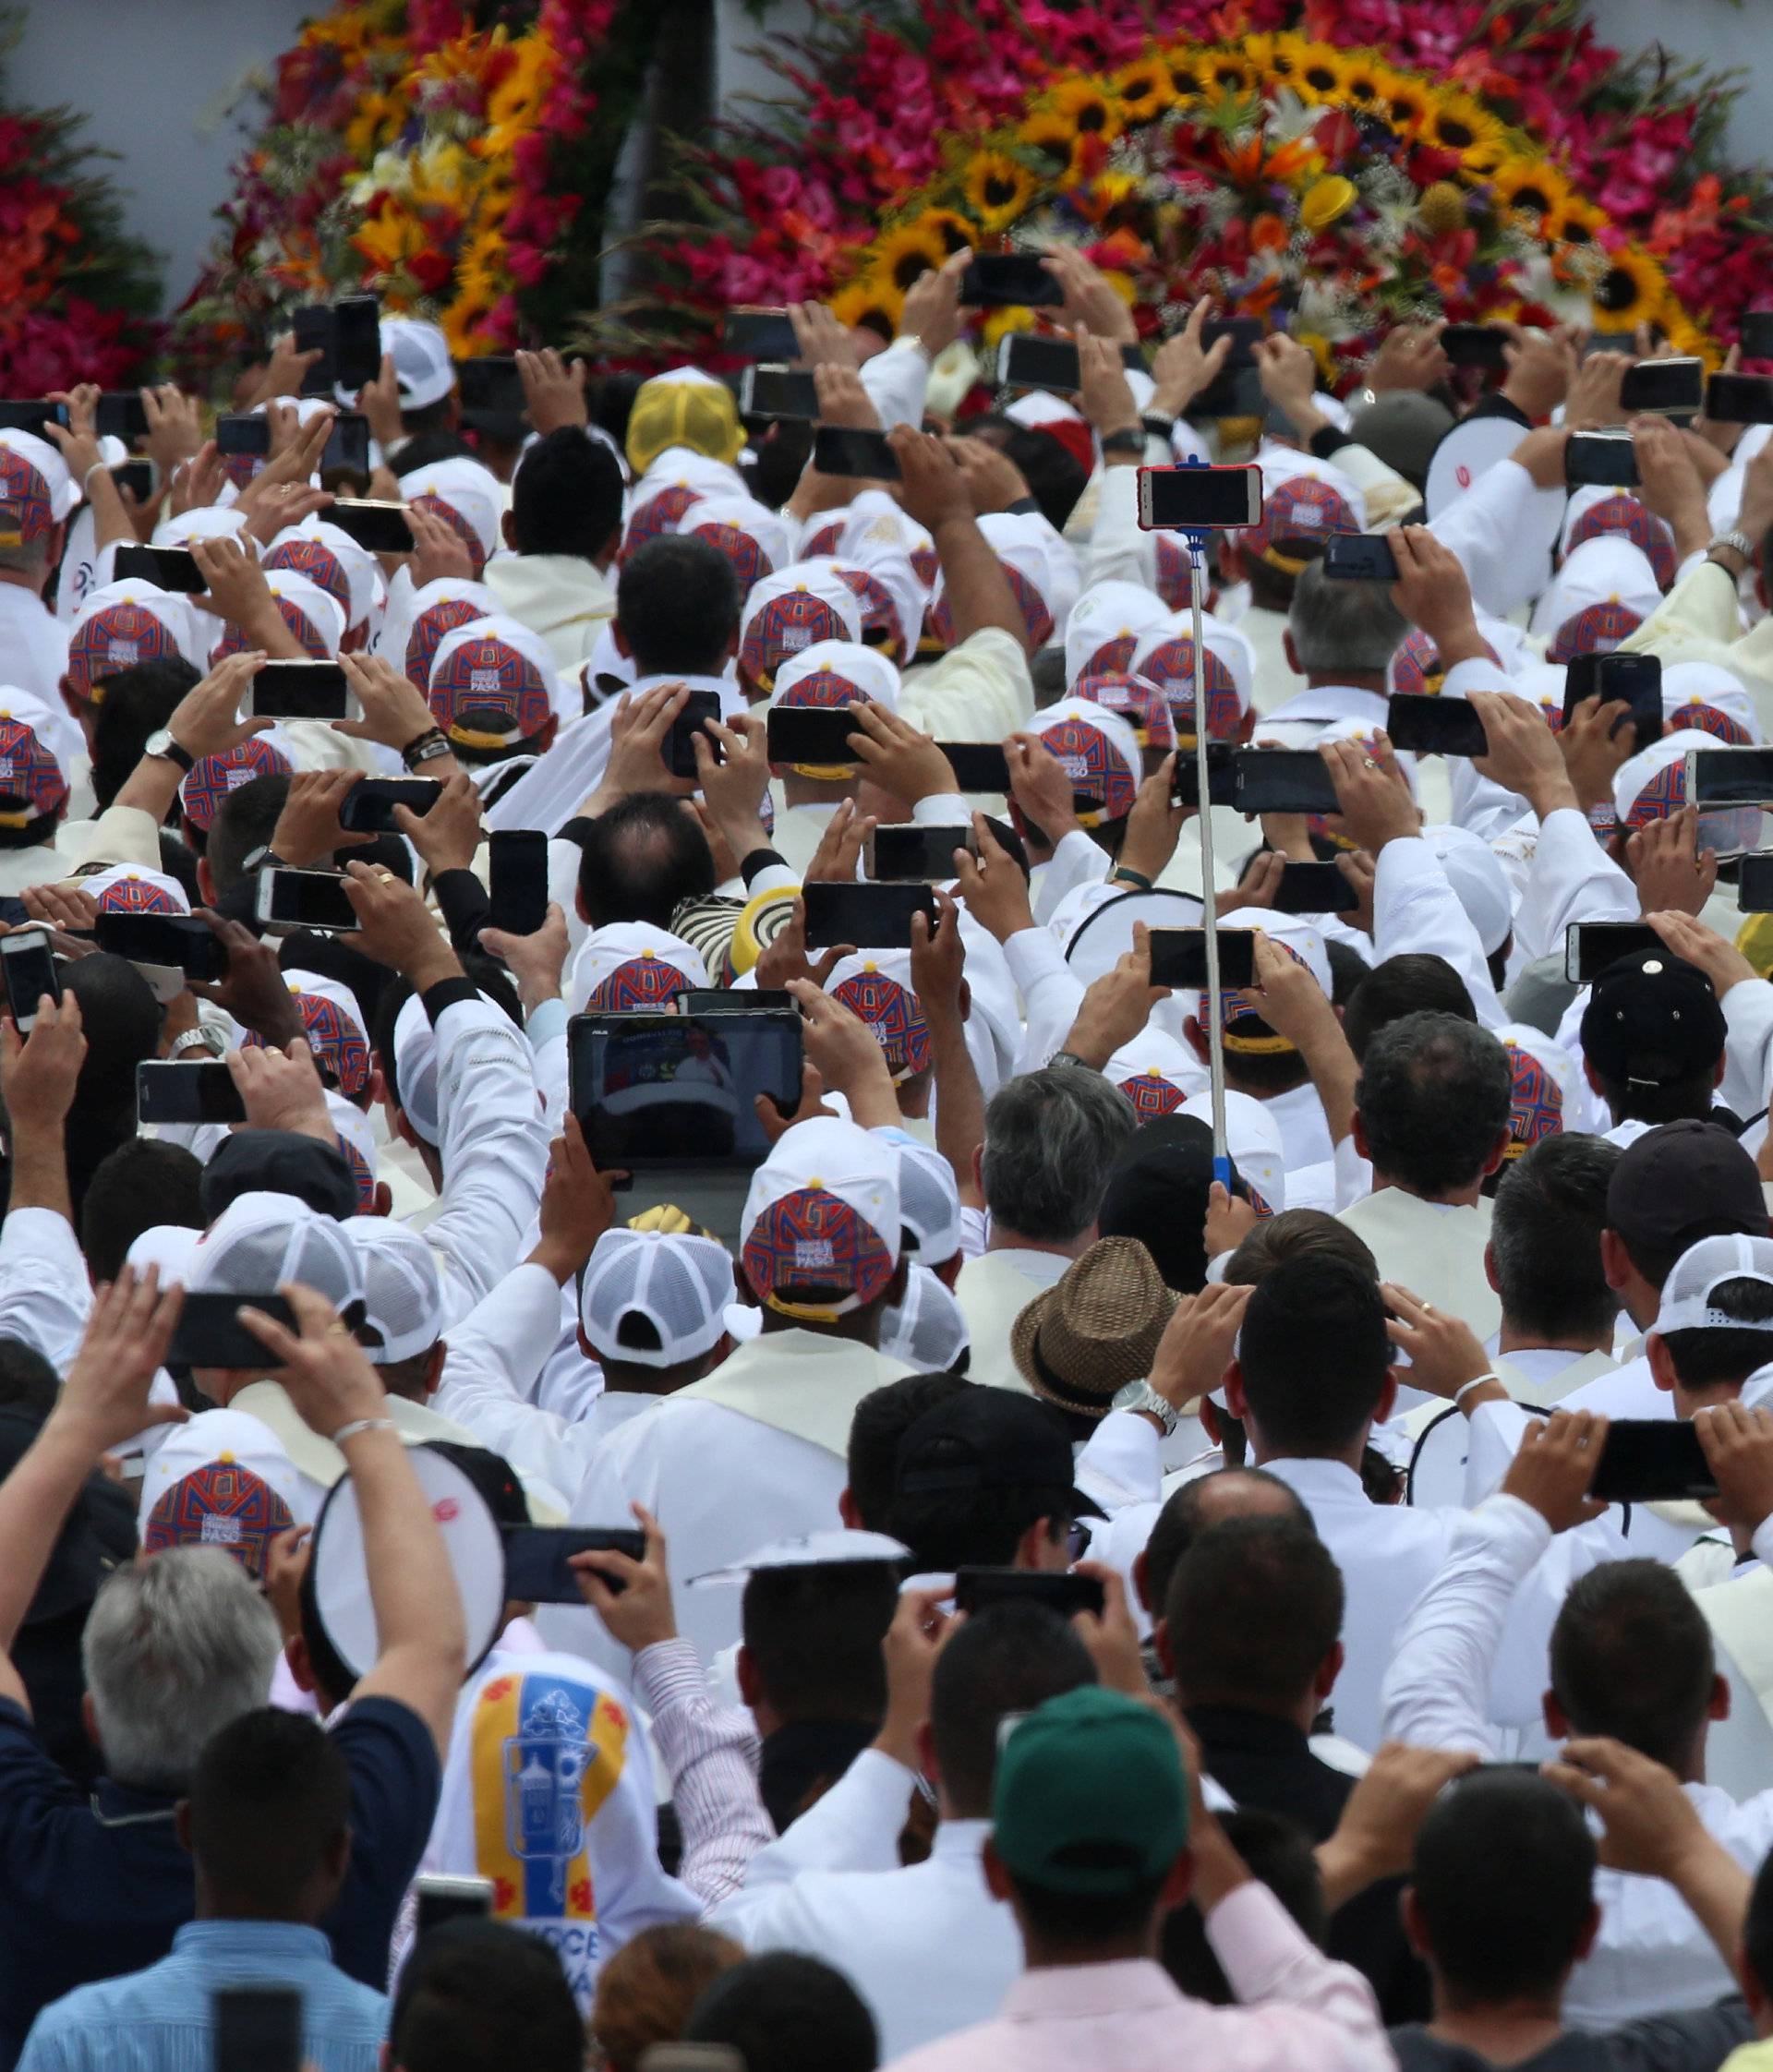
(203, 787)
(1298, 514)
(118, 636)
(1106, 626)
(132, 888)
(837, 673)
(1137, 699)
(1595, 511)
(315, 619)
(333, 1020)
(1100, 754)
(32, 782)
(26, 514)
(790, 611)
(1164, 654)
(892, 1011)
(240, 1445)
(821, 1224)
(1604, 590)
(491, 683)
(318, 562)
(630, 964)
(662, 512)
(1535, 1102)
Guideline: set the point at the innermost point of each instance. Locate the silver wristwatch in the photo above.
(1141, 1395)
(1738, 543)
(202, 1038)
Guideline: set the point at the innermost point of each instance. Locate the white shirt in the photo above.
(1435, 1251)
(34, 643)
(45, 1296)
(992, 1291)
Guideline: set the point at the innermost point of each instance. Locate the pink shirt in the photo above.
(1298, 2010)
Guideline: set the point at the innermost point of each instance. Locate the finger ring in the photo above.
(383, 872)
(1428, 1309)
(1371, 762)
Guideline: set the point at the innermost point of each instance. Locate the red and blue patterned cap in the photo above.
(334, 1034)
(223, 1504)
(1298, 514)
(1100, 753)
(315, 559)
(429, 631)
(789, 613)
(203, 787)
(893, 1012)
(32, 782)
(490, 685)
(1627, 516)
(644, 981)
(659, 516)
(1170, 666)
(459, 526)
(1535, 1102)
(822, 1221)
(27, 512)
(749, 562)
(1596, 629)
(116, 637)
(1137, 699)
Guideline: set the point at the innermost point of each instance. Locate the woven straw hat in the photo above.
(1081, 1341)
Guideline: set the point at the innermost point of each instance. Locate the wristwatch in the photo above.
(1069, 1057)
(1141, 1395)
(1128, 439)
(1158, 425)
(202, 1038)
(426, 748)
(1737, 542)
(165, 748)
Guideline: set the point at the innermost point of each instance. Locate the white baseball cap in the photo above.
(260, 1240)
(221, 1480)
(1478, 882)
(929, 1201)
(1105, 625)
(1157, 1073)
(678, 1283)
(1253, 1139)
(473, 493)
(820, 674)
(928, 1330)
(1688, 1293)
(822, 1221)
(403, 1288)
(423, 370)
(415, 1070)
(630, 964)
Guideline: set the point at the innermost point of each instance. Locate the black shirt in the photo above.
(1696, 2041)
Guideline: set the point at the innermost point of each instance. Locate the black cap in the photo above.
(493, 1478)
(987, 1439)
(1157, 1192)
(278, 1161)
(1682, 1182)
(1652, 1019)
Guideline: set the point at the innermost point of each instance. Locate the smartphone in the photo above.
(1755, 884)
(680, 743)
(1179, 958)
(369, 807)
(978, 767)
(356, 339)
(1755, 334)
(1233, 392)
(864, 916)
(1173, 497)
(1739, 399)
(517, 879)
(31, 416)
(1729, 777)
(841, 449)
(729, 1000)
(1600, 459)
(537, 1557)
(122, 414)
(180, 940)
(29, 966)
(1429, 725)
(655, 1091)
(1475, 346)
(167, 567)
(1008, 281)
(1314, 888)
(303, 899)
(974, 1588)
(137, 477)
(347, 444)
(1284, 780)
(312, 328)
(300, 691)
(1026, 361)
(924, 855)
(1221, 776)
(257, 2029)
(377, 524)
(751, 333)
(777, 392)
(1664, 387)
(813, 734)
(1636, 679)
(209, 1333)
(1243, 332)
(1360, 558)
(1589, 946)
(443, 1899)
(1652, 1460)
(185, 1091)
(490, 386)
(249, 434)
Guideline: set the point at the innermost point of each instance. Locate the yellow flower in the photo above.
(904, 255)
(1001, 322)
(1326, 200)
(1573, 222)
(1052, 135)
(1456, 123)
(1088, 105)
(1318, 75)
(1181, 61)
(1322, 351)
(387, 238)
(1441, 209)
(516, 102)
(377, 122)
(1532, 187)
(1287, 56)
(1406, 100)
(1228, 73)
(1363, 82)
(998, 188)
(1633, 288)
(868, 301)
(1143, 88)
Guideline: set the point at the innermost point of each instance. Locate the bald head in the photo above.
(1206, 1501)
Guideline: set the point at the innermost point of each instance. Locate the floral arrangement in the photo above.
(77, 296)
(1357, 163)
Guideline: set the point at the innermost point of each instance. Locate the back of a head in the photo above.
(1631, 1657)
(243, 821)
(566, 495)
(813, 1637)
(482, 1996)
(881, 1419)
(1051, 1136)
(1203, 1503)
(28, 1384)
(953, 1511)
(1277, 1854)
(1545, 1231)
(783, 2012)
(270, 1799)
(1503, 1880)
(1297, 1233)
(646, 1988)
(641, 860)
(140, 1183)
(175, 1649)
(1252, 1609)
(1716, 1354)
(121, 1024)
(138, 702)
(1416, 982)
(1341, 628)
(677, 603)
(1678, 1183)
(1006, 1659)
(1314, 1356)
(1434, 1096)
(1055, 477)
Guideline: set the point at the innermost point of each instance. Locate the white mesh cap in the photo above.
(168, 1247)
(415, 1070)
(1687, 1303)
(403, 1288)
(261, 1240)
(929, 1202)
(679, 1283)
(928, 1330)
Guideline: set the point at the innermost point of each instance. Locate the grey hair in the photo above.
(175, 1647)
(1342, 625)
(30, 560)
(1050, 1138)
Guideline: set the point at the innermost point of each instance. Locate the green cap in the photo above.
(1091, 1796)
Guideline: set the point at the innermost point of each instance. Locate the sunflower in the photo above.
(998, 188)
(1465, 127)
(1406, 100)
(1573, 221)
(1088, 105)
(1143, 88)
(1228, 74)
(878, 304)
(1363, 83)
(1052, 135)
(955, 232)
(1181, 63)
(1531, 188)
(1318, 75)
(1001, 322)
(1285, 57)
(1633, 287)
(903, 256)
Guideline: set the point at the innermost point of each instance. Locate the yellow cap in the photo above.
(763, 919)
(699, 415)
(1754, 939)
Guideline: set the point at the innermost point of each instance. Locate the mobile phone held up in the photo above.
(184, 1091)
(1205, 498)
(167, 567)
(183, 942)
(292, 899)
(655, 1092)
(1631, 680)
(678, 745)
(517, 879)
(862, 915)
(1314, 888)
(1009, 281)
(1360, 558)
(768, 391)
(752, 333)
(27, 967)
(377, 524)
(1424, 726)
(538, 1560)
(1026, 361)
(1605, 460)
(1179, 958)
(301, 691)
(918, 854)
(841, 449)
(369, 807)
(1670, 388)
(1589, 946)
(1477, 345)
(974, 1588)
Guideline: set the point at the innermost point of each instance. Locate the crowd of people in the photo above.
(941, 1563)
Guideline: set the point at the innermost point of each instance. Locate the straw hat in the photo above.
(1080, 1342)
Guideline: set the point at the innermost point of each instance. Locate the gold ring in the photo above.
(383, 872)
(1372, 762)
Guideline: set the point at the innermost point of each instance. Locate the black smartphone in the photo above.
(1360, 558)
(974, 1588)
(778, 392)
(1475, 346)
(759, 334)
(1179, 958)
(167, 567)
(864, 916)
(182, 941)
(922, 855)
(137, 478)
(843, 450)
(347, 444)
(187, 1090)
(1428, 726)
(654, 1091)
(441, 1899)
(537, 1558)
(1740, 399)
(29, 967)
(258, 2028)
(1175, 498)
(312, 328)
(811, 734)
(490, 386)
(1009, 281)
(978, 767)
(1284, 780)
(680, 743)
(1755, 334)
(1233, 392)
(303, 899)
(1652, 1460)
(31, 416)
(300, 691)
(1026, 361)
(377, 524)
(209, 1333)
(1755, 883)
(1664, 387)
(732, 1000)
(517, 879)
(1636, 678)
(356, 339)
(369, 807)
(1589, 946)
(1314, 888)
(246, 434)
(1243, 332)
(122, 414)
(1221, 776)
(1600, 460)
(1729, 777)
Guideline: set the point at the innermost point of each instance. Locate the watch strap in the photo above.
(1129, 439)
(166, 750)
(1737, 542)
